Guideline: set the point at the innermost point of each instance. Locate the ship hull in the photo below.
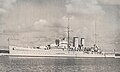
(30, 52)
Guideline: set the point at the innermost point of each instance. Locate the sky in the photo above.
(40, 22)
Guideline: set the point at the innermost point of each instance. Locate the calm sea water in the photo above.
(46, 64)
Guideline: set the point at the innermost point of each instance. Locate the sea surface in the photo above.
(58, 64)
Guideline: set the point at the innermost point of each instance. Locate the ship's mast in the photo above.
(95, 32)
(68, 17)
(68, 33)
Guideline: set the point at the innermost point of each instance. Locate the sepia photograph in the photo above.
(59, 36)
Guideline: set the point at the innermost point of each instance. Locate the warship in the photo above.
(61, 48)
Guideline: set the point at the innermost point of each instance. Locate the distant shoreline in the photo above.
(4, 51)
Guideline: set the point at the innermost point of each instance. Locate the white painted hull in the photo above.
(117, 56)
(29, 52)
